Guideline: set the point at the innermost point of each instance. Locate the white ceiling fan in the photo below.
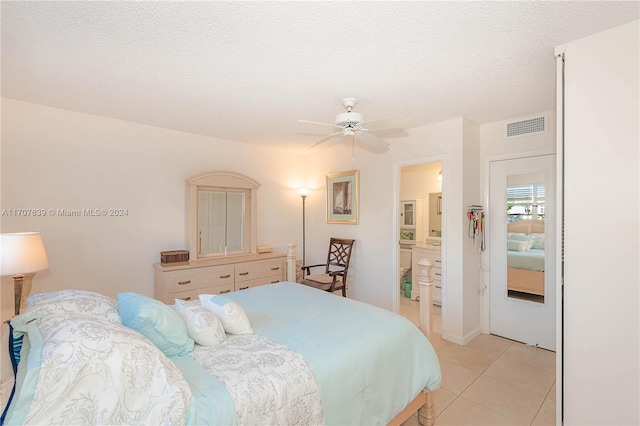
(352, 124)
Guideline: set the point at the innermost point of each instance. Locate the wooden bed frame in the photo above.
(525, 281)
(423, 402)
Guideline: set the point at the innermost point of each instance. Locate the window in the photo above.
(525, 201)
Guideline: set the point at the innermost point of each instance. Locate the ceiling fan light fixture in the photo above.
(349, 131)
(349, 119)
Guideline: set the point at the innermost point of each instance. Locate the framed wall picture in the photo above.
(342, 197)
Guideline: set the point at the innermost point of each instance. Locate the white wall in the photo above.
(53, 158)
(471, 195)
(494, 144)
(375, 269)
(57, 159)
(602, 181)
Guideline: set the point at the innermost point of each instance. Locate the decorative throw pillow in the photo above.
(157, 321)
(233, 318)
(536, 241)
(81, 302)
(516, 236)
(81, 370)
(517, 245)
(202, 325)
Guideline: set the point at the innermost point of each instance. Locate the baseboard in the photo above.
(464, 339)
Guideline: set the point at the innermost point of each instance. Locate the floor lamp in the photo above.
(303, 193)
(22, 254)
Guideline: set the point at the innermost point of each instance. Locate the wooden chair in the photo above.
(335, 270)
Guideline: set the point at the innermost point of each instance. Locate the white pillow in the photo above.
(202, 325)
(233, 318)
(513, 245)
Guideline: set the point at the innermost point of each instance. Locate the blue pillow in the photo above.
(156, 321)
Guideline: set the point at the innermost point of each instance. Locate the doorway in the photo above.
(419, 227)
(522, 299)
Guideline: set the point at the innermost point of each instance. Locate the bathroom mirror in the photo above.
(222, 211)
(435, 214)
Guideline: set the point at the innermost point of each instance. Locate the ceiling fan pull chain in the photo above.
(353, 152)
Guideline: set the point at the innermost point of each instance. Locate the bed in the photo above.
(307, 357)
(526, 256)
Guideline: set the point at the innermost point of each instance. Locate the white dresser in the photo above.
(433, 253)
(217, 276)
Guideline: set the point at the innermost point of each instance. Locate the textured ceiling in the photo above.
(246, 71)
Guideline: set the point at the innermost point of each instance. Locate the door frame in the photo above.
(485, 300)
(395, 232)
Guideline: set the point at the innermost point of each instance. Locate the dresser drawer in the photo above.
(259, 269)
(243, 285)
(437, 275)
(193, 294)
(437, 296)
(180, 281)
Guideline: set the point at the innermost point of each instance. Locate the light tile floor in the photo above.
(490, 381)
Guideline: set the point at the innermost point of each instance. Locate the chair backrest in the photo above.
(339, 254)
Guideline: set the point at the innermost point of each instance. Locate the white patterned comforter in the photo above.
(81, 371)
(269, 383)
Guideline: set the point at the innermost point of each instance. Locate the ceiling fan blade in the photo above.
(399, 122)
(319, 123)
(326, 138)
(375, 143)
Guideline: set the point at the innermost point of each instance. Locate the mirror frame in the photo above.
(221, 180)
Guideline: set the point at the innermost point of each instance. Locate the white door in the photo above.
(522, 250)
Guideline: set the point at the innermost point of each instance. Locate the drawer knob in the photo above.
(275, 269)
(186, 298)
(273, 282)
(243, 273)
(243, 288)
(438, 286)
(225, 291)
(184, 282)
(438, 261)
(438, 274)
(225, 276)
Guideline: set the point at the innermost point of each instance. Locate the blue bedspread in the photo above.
(370, 363)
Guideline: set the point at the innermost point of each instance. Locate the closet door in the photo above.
(522, 252)
(601, 228)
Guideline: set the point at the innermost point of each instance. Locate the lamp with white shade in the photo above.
(22, 253)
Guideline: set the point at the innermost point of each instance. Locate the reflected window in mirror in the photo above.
(222, 212)
(221, 221)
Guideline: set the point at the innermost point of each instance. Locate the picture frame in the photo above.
(342, 197)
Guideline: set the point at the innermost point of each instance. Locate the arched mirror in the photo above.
(222, 211)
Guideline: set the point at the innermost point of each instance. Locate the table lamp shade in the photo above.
(22, 253)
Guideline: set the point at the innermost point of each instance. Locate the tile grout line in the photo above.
(483, 373)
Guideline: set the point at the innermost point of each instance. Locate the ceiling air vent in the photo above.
(526, 126)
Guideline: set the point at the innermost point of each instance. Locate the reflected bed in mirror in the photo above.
(526, 259)
(222, 211)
